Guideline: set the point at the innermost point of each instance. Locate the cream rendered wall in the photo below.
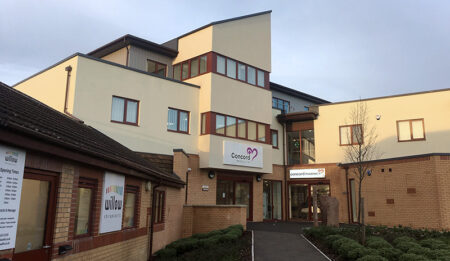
(194, 44)
(49, 86)
(434, 107)
(119, 56)
(98, 82)
(211, 154)
(277, 154)
(247, 40)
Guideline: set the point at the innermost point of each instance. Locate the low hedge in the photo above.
(377, 243)
(372, 258)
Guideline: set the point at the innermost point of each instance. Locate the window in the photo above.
(251, 75)
(129, 209)
(83, 218)
(178, 120)
(274, 138)
(351, 135)
(293, 143)
(280, 104)
(220, 64)
(411, 130)
(220, 124)
(203, 64)
(251, 135)
(231, 68)
(203, 123)
(156, 68)
(124, 110)
(242, 129)
(261, 132)
(260, 78)
(307, 147)
(194, 67)
(241, 72)
(231, 126)
(184, 70)
(177, 72)
(159, 206)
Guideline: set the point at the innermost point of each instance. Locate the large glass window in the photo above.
(251, 75)
(160, 199)
(261, 78)
(307, 147)
(129, 209)
(411, 130)
(274, 134)
(156, 68)
(177, 72)
(351, 135)
(203, 64)
(84, 205)
(272, 200)
(241, 72)
(231, 68)
(194, 67)
(280, 104)
(184, 70)
(224, 192)
(124, 110)
(178, 120)
(251, 132)
(293, 143)
(261, 132)
(221, 64)
(220, 124)
(242, 129)
(231, 126)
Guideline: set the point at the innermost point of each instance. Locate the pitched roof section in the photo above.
(22, 114)
(219, 22)
(135, 41)
(298, 94)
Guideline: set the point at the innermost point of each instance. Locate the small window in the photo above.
(129, 209)
(241, 72)
(203, 123)
(220, 124)
(261, 132)
(306, 108)
(177, 72)
(351, 135)
(124, 110)
(220, 64)
(251, 75)
(231, 68)
(83, 218)
(203, 63)
(274, 136)
(194, 67)
(231, 126)
(251, 135)
(280, 104)
(159, 206)
(242, 126)
(411, 130)
(178, 120)
(156, 68)
(184, 71)
(261, 78)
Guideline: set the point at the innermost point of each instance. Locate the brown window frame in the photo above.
(157, 66)
(160, 216)
(284, 102)
(134, 190)
(351, 134)
(88, 184)
(411, 130)
(188, 62)
(124, 121)
(178, 120)
(271, 141)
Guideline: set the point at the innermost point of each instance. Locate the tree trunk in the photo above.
(316, 219)
(363, 227)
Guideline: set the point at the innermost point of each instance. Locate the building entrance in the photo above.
(301, 202)
(234, 190)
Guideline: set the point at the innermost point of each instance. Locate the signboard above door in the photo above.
(240, 154)
(307, 173)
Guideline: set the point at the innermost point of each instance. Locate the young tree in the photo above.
(361, 150)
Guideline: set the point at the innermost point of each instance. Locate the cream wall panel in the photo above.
(211, 154)
(194, 44)
(434, 107)
(247, 40)
(49, 86)
(139, 56)
(205, 91)
(240, 99)
(119, 56)
(98, 82)
(277, 154)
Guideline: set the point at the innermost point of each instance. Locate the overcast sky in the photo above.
(336, 50)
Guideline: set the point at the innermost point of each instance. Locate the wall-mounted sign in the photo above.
(307, 173)
(12, 163)
(241, 154)
(205, 187)
(112, 202)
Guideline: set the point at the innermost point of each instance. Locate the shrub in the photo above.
(401, 239)
(442, 254)
(338, 243)
(210, 242)
(320, 232)
(377, 242)
(345, 248)
(412, 257)
(390, 253)
(372, 258)
(331, 238)
(167, 253)
(184, 245)
(422, 251)
(405, 246)
(361, 252)
(433, 243)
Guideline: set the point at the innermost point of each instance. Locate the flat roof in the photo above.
(295, 93)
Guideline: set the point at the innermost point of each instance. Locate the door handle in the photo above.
(46, 247)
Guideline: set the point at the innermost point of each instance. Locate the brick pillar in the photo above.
(63, 205)
(442, 172)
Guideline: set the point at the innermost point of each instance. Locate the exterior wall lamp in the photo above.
(211, 174)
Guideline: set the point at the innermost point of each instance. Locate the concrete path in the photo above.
(282, 241)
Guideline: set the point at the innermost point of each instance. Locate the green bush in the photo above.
(377, 242)
(346, 247)
(402, 239)
(167, 253)
(390, 253)
(433, 243)
(338, 243)
(361, 252)
(405, 246)
(422, 251)
(372, 258)
(442, 254)
(320, 232)
(412, 257)
(331, 238)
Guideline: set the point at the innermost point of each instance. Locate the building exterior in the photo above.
(248, 141)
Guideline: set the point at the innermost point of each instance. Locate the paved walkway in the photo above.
(282, 241)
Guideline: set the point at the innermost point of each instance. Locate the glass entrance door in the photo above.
(34, 228)
(235, 191)
(243, 195)
(272, 200)
(301, 202)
